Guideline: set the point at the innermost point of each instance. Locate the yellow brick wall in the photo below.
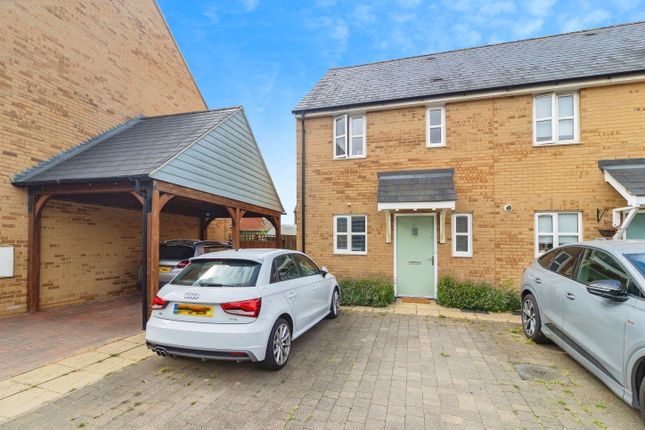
(70, 69)
(489, 144)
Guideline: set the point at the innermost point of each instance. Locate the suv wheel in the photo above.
(531, 321)
(641, 399)
(334, 308)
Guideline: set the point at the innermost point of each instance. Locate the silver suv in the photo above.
(174, 255)
(588, 298)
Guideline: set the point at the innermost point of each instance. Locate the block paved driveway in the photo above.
(371, 370)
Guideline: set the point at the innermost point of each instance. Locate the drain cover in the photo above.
(534, 372)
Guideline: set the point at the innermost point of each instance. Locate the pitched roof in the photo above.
(630, 173)
(212, 151)
(134, 148)
(607, 51)
(416, 186)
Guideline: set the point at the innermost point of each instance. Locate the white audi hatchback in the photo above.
(241, 305)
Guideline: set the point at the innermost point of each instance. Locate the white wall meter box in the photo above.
(6, 261)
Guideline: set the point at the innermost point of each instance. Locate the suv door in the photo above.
(557, 278)
(595, 325)
(315, 281)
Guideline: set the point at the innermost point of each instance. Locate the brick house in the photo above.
(71, 70)
(473, 162)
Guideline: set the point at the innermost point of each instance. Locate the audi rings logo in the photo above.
(191, 296)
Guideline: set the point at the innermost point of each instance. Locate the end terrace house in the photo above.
(475, 161)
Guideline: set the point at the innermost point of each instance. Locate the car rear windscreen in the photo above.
(179, 252)
(219, 273)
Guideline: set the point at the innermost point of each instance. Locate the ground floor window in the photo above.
(462, 235)
(556, 228)
(350, 234)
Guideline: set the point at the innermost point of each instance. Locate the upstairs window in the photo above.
(350, 234)
(555, 119)
(436, 118)
(556, 228)
(349, 136)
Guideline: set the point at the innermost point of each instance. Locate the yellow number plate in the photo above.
(193, 310)
(165, 269)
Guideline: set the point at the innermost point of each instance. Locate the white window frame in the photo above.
(442, 126)
(556, 233)
(555, 140)
(349, 133)
(349, 235)
(469, 234)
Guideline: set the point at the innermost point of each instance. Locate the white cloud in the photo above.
(250, 5)
(363, 14)
(211, 14)
(540, 8)
(526, 28)
(584, 20)
(408, 4)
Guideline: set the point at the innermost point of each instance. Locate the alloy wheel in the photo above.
(528, 317)
(281, 344)
(335, 303)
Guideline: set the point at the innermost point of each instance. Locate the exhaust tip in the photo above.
(161, 352)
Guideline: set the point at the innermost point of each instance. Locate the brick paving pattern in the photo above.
(362, 370)
(33, 340)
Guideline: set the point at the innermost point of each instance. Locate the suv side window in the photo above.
(564, 261)
(546, 259)
(597, 265)
(284, 269)
(307, 267)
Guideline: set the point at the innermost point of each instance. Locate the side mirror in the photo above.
(607, 288)
(324, 271)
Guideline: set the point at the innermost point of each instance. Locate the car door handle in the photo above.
(291, 295)
(315, 286)
(538, 280)
(570, 296)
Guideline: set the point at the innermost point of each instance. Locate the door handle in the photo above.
(570, 296)
(315, 286)
(291, 295)
(538, 280)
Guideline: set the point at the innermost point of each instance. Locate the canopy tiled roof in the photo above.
(416, 186)
(630, 173)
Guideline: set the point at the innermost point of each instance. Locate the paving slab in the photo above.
(42, 374)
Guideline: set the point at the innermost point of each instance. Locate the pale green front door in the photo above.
(636, 229)
(415, 256)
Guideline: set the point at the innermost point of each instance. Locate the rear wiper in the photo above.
(212, 284)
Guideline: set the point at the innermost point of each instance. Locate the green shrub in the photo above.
(366, 292)
(477, 295)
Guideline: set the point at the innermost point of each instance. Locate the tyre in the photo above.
(278, 346)
(641, 400)
(334, 308)
(531, 321)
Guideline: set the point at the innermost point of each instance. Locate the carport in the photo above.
(205, 165)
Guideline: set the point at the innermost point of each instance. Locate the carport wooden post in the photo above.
(36, 203)
(236, 215)
(275, 220)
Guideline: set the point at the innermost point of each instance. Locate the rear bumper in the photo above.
(208, 341)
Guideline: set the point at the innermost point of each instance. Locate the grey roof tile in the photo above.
(599, 52)
(135, 148)
(416, 186)
(630, 172)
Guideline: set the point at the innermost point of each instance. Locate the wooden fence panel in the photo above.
(259, 241)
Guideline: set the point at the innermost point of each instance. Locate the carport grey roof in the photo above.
(630, 172)
(212, 151)
(601, 52)
(416, 186)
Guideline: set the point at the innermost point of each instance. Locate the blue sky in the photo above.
(266, 55)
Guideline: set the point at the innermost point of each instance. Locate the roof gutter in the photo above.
(507, 91)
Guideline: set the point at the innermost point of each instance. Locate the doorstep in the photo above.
(406, 307)
(31, 389)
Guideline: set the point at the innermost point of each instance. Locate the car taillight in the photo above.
(159, 303)
(183, 264)
(246, 308)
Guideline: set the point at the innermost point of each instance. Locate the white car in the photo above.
(241, 305)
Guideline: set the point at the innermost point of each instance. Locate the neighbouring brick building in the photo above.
(69, 70)
(472, 162)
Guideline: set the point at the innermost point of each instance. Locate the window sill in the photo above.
(436, 145)
(349, 253)
(353, 157)
(462, 255)
(540, 144)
